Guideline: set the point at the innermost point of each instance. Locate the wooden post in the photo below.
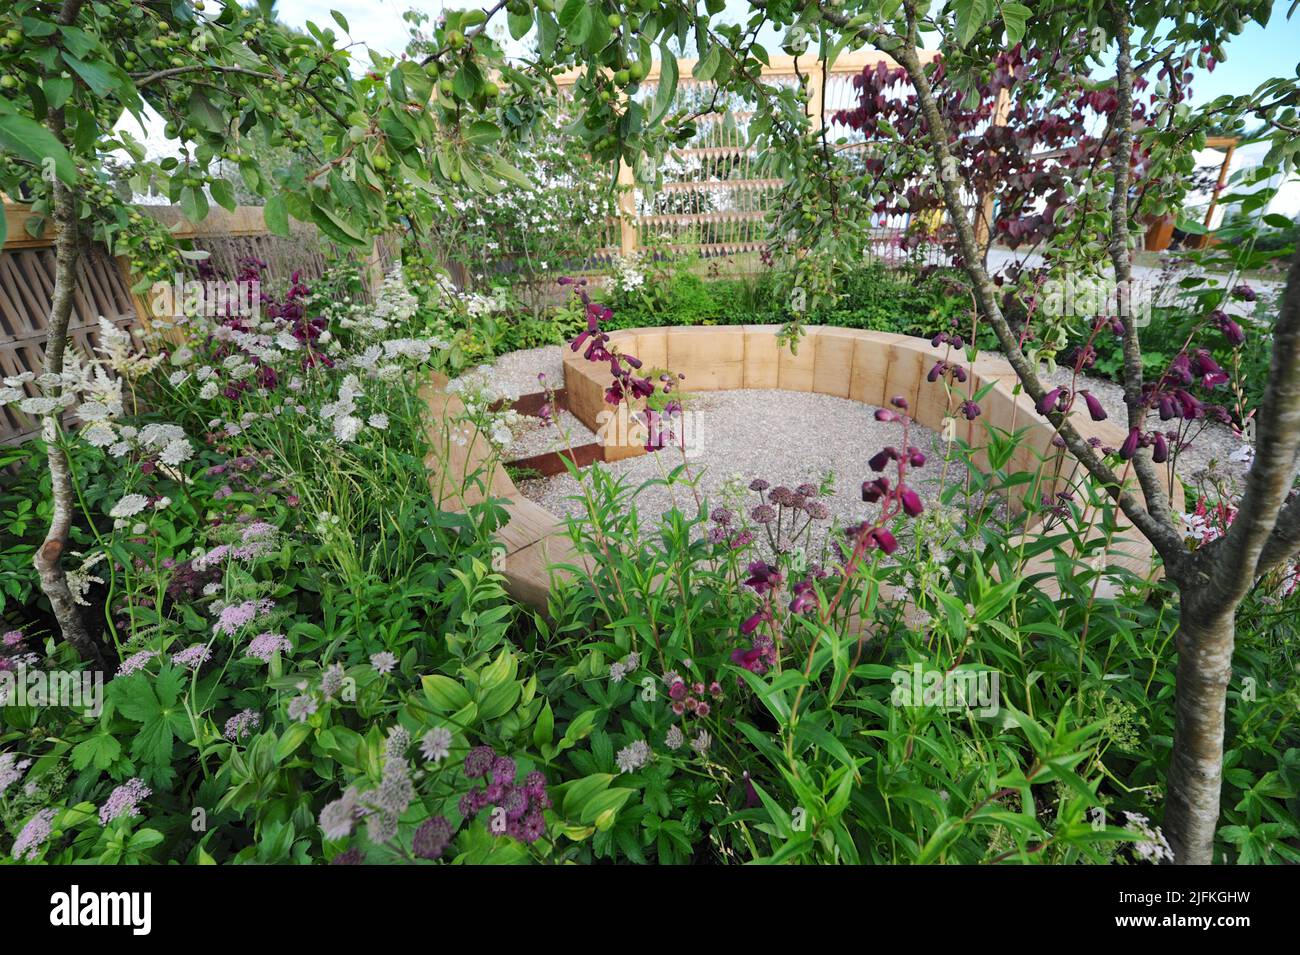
(1223, 179)
(984, 217)
(629, 231)
(816, 98)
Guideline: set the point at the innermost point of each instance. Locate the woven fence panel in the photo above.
(303, 251)
(26, 294)
(715, 199)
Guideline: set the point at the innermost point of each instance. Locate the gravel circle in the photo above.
(792, 437)
(785, 437)
(515, 373)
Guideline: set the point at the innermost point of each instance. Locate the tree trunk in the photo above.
(49, 556)
(1205, 642)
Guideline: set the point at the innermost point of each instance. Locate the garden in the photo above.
(638, 433)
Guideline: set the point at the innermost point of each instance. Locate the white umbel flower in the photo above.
(129, 506)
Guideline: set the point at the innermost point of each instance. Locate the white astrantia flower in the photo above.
(157, 435)
(633, 756)
(178, 378)
(16, 381)
(129, 506)
(175, 452)
(346, 427)
(209, 391)
(120, 449)
(205, 372)
(40, 406)
(99, 434)
(92, 411)
(10, 394)
(379, 421)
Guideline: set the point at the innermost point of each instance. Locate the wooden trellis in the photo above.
(714, 200)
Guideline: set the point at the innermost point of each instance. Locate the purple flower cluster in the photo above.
(11, 650)
(36, 833)
(724, 531)
(683, 698)
(124, 801)
(241, 724)
(516, 808)
(193, 656)
(237, 616)
(432, 838)
(265, 645)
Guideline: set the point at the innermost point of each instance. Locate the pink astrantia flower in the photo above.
(264, 646)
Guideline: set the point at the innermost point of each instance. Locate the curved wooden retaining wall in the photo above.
(867, 366)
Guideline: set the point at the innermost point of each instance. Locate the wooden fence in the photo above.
(714, 199)
(104, 283)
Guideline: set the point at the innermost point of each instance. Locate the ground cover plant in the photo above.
(295, 651)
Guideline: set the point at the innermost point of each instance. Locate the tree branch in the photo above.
(1121, 122)
(1260, 537)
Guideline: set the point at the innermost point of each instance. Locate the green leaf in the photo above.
(194, 204)
(519, 23)
(224, 194)
(1014, 18)
(100, 750)
(340, 20)
(570, 12)
(35, 143)
(57, 90)
(275, 216)
(153, 706)
(544, 728)
(444, 694)
(336, 227)
(667, 88)
(96, 74)
(482, 131)
(293, 737)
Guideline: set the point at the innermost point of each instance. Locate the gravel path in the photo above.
(785, 437)
(566, 431)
